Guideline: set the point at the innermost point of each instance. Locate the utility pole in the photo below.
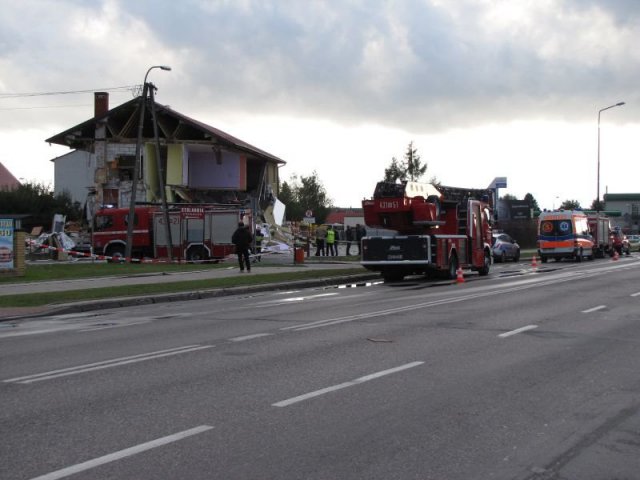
(137, 165)
(161, 182)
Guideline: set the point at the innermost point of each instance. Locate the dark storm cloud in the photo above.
(406, 63)
(412, 64)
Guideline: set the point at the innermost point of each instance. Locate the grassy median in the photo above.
(74, 271)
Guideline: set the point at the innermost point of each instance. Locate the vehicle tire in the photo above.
(484, 271)
(503, 257)
(196, 254)
(116, 252)
(543, 259)
(578, 256)
(516, 257)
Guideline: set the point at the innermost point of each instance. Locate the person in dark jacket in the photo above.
(242, 239)
(360, 233)
(349, 234)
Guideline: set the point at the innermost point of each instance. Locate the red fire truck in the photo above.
(438, 230)
(198, 232)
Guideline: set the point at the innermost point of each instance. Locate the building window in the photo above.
(126, 165)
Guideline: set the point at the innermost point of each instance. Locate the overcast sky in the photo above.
(484, 88)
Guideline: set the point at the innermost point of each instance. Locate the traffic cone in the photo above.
(615, 256)
(534, 262)
(460, 276)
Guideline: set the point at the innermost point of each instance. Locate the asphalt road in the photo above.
(520, 375)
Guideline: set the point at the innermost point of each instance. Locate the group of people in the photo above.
(327, 241)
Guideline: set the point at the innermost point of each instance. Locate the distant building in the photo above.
(7, 180)
(346, 216)
(74, 174)
(628, 204)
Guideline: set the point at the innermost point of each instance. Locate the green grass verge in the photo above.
(69, 271)
(53, 298)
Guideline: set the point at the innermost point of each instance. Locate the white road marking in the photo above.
(116, 362)
(250, 337)
(366, 378)
(635, 294)
(106, 327)
(594, 309)
(522, 285)
(127, 452)
(517, 330)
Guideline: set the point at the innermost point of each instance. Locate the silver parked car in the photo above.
(504, 248)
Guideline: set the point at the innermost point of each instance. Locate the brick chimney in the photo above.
(101, 103)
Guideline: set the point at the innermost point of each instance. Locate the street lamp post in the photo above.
(137, 163)
(619, 104)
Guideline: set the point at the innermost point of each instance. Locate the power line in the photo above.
(49, 106)
(70, 92)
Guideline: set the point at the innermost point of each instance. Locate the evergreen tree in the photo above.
(410, 169)
(395, 171)
(414, 167)
(532, 201)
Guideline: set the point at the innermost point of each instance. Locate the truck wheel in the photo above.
(579, 256)
(543, 259)
(196, 254)
(116, 253)
(487, 265)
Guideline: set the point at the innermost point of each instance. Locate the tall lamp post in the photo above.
(619, 104)
(138, 161)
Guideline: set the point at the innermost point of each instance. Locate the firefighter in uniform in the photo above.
(331, 241)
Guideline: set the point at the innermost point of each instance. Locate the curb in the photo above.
(92, 305)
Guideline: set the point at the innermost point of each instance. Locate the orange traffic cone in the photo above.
(615, 256)
(534, 262)
(460, 276)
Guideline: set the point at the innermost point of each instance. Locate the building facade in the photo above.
(191, 161)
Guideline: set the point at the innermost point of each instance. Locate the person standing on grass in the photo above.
(331, 241)
(360, 232)
(321, 235)
(242, 239)
(349, 238)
